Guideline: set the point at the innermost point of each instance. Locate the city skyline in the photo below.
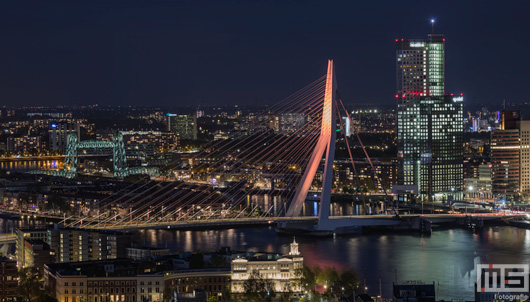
(172, 150)
(177, 53)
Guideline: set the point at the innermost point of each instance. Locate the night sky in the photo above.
(172, 53)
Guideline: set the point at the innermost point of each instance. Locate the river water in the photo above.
(27, 165)
(447, 257)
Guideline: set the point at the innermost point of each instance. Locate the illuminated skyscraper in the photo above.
(58, 133)
(430, 123)
(183, 125)
(420, 68)
(507, 156)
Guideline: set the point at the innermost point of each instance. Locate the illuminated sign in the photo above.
(417, 44)
(458, 99)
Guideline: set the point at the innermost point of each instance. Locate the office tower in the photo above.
(505, 162)
(58, 133)
(348, 126)
(430, 123)
(506, 156)
(524, 135)
(431, 130)
(420, 68)
(183, 125)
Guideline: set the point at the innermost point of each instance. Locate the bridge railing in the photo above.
(11, 237)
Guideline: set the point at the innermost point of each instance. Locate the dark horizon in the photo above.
(170, 54)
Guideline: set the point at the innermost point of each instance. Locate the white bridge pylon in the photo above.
(325, 143)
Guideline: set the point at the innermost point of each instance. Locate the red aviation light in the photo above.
(401, 40)
(403, 95)
(452, 94)
(461, 94)
(396, 40)
(397, 95)
(443, 39)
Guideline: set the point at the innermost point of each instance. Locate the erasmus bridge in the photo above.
(292, 156)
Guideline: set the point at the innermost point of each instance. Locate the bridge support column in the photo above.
(326, 142)
(329, 124)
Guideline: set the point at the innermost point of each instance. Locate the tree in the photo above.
(227, 294)
(212, 298)
(57, 202)
(168, 294)
(348, 282)
(197, 261)
(258, 289)
(218, 261)
(46, 298)
(28, 285)
(305, 278)
(337, 282)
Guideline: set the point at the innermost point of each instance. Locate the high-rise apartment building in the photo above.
(506, 156)
(430, 123)
(505, 162)
(183, 125)
(510, 157)
(58, 134)
(524, 135)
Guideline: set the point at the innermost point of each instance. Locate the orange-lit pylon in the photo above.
(326, 142)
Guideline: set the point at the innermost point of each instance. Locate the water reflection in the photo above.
(447, 257)
(9, 225)
(27, 165)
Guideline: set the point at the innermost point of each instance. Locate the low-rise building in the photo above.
(413, 293)
(24, 235)
(8, 280)
(69, 245)
(37, 253)
(111, 280)
(212, 281)
(25, 144)
(142, 253)
(279, 269)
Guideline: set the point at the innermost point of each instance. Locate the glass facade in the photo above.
(524, 135)
(505, 148)
(430, 123)
(420, 68)
(430, 146)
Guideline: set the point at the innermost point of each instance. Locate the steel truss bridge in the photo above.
(293, 139)
(119, 159)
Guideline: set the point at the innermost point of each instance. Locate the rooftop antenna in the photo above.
(432, 26)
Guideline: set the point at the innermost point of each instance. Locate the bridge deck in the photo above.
(361, 220)
(8, 238)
